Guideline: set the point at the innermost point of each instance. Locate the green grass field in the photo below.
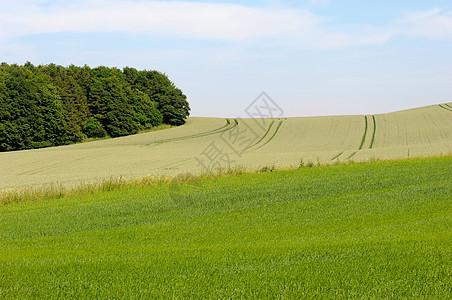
(246, 143)
(368, 230)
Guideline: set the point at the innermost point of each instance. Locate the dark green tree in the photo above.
(171, 102)
(109, 102)
(73, 96)
(31, 110)
(53, 105)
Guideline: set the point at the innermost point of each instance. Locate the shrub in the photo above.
(94, 129)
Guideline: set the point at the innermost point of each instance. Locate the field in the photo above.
(369, 230)
(208, 144)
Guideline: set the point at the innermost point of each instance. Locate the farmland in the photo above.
(206, 144)
(369, 230)
(323, 226)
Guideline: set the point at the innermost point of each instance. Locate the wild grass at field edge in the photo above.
(58, 190)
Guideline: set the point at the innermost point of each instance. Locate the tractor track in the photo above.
(446, 107)
(263, 137)
(337, 155)
(264, 140)
(274, 134)
(372, 141)
(228, 126)
(363, 139)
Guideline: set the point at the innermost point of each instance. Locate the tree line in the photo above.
(51, 105)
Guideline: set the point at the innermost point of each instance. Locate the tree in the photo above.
(53, 105)
(171, 102)
(75, 106)
(145, 112)
(109, 103)
(31, 110)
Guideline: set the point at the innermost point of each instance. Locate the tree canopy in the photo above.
(50, 105)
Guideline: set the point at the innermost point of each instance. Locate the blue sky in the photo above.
(312, 57)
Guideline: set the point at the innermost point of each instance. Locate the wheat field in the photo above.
(204, 145)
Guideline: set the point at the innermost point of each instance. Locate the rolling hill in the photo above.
(208, 144)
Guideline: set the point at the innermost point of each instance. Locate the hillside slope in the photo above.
(205, 144)
(297, 234)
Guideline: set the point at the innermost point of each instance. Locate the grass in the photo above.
(364, 230)
(55, 191)
(251, 143)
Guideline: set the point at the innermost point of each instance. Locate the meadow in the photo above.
(360, 230)
(204, 145)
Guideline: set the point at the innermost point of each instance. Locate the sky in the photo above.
(311, 57)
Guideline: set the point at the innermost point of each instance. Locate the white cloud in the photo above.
(212, 21)
(417, 16)
(432, 23)
(188, 19)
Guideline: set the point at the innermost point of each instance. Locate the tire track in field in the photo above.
(176, 164)
(372, 141)
(228, 126)
(276, 131)
(337, 155)
(61, 164)
(270, 133)
(351, 155)
(342, 145)
(363, 139)
(446, 107)
(263, 137)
